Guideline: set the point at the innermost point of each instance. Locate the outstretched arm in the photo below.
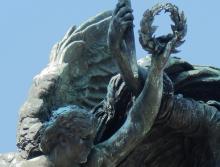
(140, 118)
(120, 43)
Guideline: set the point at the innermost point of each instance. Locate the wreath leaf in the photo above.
(155, 45)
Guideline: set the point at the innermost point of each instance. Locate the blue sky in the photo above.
(29, 28)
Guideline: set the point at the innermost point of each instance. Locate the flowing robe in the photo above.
(187, 130)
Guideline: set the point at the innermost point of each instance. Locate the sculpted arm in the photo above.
(119, 29)
(140, 118)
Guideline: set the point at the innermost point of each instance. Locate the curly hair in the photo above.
(68, 121)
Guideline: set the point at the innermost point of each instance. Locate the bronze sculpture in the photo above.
(183, 130)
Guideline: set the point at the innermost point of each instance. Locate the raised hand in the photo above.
(121, 44)
(159, 62)
(122, 19)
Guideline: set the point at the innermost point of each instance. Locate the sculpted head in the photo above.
(68, 137)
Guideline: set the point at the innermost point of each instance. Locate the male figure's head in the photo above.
(68, 136)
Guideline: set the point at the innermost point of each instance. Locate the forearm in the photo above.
(148, 103)
(125, 69)
(121, 44)
(139, 121)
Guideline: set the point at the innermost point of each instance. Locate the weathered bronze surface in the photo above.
(95, 105)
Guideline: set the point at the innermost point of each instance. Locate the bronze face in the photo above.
(69, 136)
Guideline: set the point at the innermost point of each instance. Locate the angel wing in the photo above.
(79, 70)
(90, 64)
(201, 83)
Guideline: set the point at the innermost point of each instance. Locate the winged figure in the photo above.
(94, 105)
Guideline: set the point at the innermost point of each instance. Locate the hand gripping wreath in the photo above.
(156, 45)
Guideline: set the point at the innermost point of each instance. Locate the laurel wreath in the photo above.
(156, 45)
